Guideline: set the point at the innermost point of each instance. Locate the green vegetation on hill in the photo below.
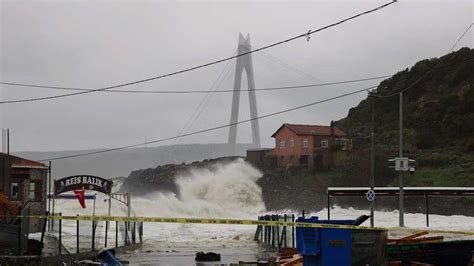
(438, 121)
(438, 133)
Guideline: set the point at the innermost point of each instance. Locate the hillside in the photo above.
(438, 132)
(438, 121)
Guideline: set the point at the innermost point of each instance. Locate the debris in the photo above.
(107, 257)
(416, 239)
(210, 256)
(295, 260)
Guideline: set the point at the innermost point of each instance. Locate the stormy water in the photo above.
(222, 191)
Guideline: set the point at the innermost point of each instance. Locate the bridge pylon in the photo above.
(244, 63)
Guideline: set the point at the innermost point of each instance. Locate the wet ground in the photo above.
(186, 256)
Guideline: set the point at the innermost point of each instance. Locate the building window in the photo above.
(34, 192)
(292, 142)
(342, 143)
(305, 143)
(324, 143)
(282, 144)
(14, 190)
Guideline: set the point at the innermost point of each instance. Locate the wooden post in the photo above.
(45, 223)
(60, 230)
(93, 235)
(273, 232)
(116, 233)
(277, 228)
(329, 207)
(77, 233)
(293, 231)
(285, 230)
(20, 238)
(264, 239)
(52, 220)
(126, 233)
(133, 232)
(106, 231)
(427, 210)
(49, 194)
(141, 232)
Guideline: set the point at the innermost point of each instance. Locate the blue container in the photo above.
(307, 239)
(324, 246)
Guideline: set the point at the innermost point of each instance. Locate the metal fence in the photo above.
(86, 236)
(276, 236)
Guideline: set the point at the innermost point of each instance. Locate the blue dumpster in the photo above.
(324, 246)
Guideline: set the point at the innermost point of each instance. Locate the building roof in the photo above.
(18, 162)
(261, 149)
(308, 130)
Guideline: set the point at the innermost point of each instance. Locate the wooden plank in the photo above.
(296, 261)
(431, 239)
(415, 235)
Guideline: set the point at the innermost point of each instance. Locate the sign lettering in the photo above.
(87, 182)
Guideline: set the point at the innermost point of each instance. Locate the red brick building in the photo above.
(22, 185)
(311, 145)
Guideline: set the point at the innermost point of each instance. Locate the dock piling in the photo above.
(77, 234)
(60, 231)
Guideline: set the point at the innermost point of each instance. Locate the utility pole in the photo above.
(372, 162)
(49, 195)
(8, 141)
(400, 175)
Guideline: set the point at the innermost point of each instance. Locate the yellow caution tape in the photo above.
(237, 222)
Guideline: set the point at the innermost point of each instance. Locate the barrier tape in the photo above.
(237, 222)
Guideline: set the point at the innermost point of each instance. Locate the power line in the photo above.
(437, 66)
(287, 66)
(304, 35)
(210, 129)
(462, 36)
(212, 91)
(227, 125)
(204, 101)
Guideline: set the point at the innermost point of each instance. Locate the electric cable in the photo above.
(304, 35)
(210, 129)
(216, 91)
(429, 71)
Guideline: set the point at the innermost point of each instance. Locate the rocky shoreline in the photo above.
(294, 189)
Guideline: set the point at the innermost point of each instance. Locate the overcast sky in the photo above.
(93, 44)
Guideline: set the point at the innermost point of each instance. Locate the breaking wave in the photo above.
(221, 190)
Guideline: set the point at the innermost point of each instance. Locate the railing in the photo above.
(276, 236)
(131, 232)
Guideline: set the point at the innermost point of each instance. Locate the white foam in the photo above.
(222, 191)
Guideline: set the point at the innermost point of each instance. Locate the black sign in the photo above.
(87, 182)
(337, 243)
